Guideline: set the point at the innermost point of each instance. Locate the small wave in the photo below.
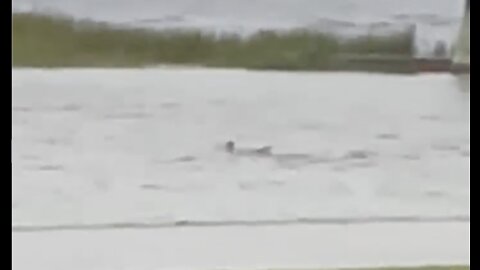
(180, 159)
(170, 188)
(51, 141)
(247, 186)
(430, 117)
(359, 154)
(435, 194)
(294, 161)
(70, 107)
(30, 157)
(152, 187)
(21, 109)
(388, 136)
(240, 223)
(184, 159)
(446, 147)
(50, 167)
(411, 156)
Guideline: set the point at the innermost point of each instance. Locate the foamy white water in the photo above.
(145, 146)
(435, 20)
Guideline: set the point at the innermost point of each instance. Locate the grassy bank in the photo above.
(49, 41)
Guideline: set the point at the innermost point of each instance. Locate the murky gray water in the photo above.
(93, 146)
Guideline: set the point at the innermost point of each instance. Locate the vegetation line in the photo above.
(41, 40)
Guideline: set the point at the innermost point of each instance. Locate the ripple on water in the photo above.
(359, 154)
(411, 157)
(184, 159)
(55, 141)
(72, 107)
(388, 136)
(22, 109)
(465, 153)
(430, 117)
(50, 167)
(296, 160)
(446, 147)
(251, 185)
(180, 159)
(435, 194)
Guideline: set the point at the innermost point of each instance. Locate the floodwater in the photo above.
(146, 146)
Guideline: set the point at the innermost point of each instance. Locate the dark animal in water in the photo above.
(262, 151)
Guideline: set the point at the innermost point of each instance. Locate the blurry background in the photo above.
(434, 20)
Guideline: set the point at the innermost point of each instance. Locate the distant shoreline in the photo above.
(49, 41)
